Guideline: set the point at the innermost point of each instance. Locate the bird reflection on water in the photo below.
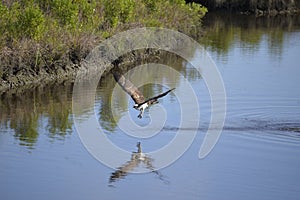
(137, 158)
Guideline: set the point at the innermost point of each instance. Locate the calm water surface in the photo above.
(257, 156)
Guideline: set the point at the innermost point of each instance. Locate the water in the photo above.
(256, 157)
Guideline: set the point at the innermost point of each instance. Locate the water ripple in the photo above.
(250, 125)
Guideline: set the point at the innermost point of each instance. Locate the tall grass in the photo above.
(45, 35)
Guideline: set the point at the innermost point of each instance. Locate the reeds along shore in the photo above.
(45, 40)
(259, 7)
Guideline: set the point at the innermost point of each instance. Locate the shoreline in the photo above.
(44, 42)
(33, 69)
(27, 80)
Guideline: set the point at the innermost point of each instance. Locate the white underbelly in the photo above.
(144, 106)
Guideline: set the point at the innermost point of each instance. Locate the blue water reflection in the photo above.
(257, 157)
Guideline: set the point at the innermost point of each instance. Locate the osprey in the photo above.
(140, 103)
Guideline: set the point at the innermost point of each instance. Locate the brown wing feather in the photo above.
(129, 88)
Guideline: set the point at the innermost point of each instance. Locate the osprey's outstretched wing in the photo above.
(154, 99)
(140, 103)
(128, 87)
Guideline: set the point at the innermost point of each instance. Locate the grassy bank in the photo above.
(47, 39)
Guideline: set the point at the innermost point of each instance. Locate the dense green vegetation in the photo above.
(46, 35)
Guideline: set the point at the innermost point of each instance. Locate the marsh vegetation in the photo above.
(43, 40)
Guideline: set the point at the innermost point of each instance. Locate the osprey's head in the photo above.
(136, 106)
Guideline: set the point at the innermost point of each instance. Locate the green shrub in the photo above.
(20, 22)
(121, 11)
(66, 12)
(150, 5)
(87, 10)
(31, 22)
(175, 14)
(50, 34)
